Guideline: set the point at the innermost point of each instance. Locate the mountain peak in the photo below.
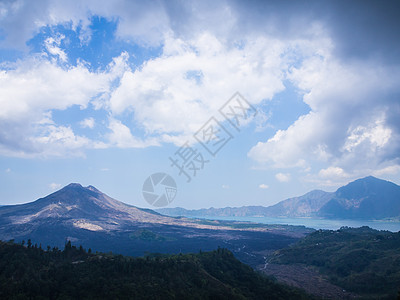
(365, 198)
(364, 186)
(78, 186)
(78, 204)
(370, 178)
(73, 185)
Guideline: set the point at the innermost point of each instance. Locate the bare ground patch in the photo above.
(306, 278)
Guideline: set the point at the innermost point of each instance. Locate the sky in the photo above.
(239, 102)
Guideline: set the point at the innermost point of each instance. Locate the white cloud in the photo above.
(225, 186)
(284, 149)
(52, 45)
(38, 85)
(87, 123)
(377, 135)
(169, 103)
(262, 120)
(350, 124)
(8, 170)
(30, 89)
(142, 22)
(389, 170)
(283, 177)
(59, 141)
(333, 173)
(121, 136)
(263, 186)
(167, 99)
(54, 186)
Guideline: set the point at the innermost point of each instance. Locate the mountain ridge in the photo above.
(344, 203)
(88, 208)
(91, 218)
(365, 198)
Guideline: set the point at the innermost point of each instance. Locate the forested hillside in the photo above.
(29, 272)
(361, 260)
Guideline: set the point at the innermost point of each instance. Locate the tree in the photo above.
(68, 246)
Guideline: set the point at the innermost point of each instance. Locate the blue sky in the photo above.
(104, 92)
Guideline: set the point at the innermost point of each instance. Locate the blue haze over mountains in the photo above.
(85, 215)
(367, 198)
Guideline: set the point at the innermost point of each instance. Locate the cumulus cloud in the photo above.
(371, 24)
(38, 85)
(142, 22)
(207, 55)
(121, 136)
(52, 45)
(350, 123)
(389, 170)
(87, 123)
(283, 177)
(333, 173)
(177, 92)
(263, 186)
(30, 89)
(58, 139)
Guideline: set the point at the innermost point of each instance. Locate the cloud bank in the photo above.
(341, 57)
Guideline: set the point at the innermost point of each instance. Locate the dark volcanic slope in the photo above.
(366, 198)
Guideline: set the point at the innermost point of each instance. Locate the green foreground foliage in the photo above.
(361, 260)
(28, 272)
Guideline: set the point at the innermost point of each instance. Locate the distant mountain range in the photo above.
(367, 198)
(88, 217)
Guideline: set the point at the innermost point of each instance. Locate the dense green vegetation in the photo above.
(361, 260)
(28, 272)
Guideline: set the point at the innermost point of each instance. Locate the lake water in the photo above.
(315, 223)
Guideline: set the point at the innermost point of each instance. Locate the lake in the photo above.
(315, 223)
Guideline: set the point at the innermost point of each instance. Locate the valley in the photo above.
(325, 263)
(85, 216)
